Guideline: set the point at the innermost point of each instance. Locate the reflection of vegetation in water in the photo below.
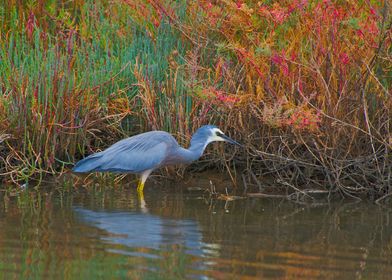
(49, 242)
(42, 236)
(304, 241)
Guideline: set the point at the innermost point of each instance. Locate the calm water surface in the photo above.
(107, 233)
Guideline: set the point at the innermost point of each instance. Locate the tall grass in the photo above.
(316, 75)
(305, 84)
(98, 76)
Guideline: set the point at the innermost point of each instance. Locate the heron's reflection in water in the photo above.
(136, 229)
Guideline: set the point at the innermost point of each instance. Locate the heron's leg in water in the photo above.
(140, 187)
(142, 180)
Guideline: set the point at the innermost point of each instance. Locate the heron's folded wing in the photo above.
(135, 154)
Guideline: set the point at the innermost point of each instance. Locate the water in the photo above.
(107, 233)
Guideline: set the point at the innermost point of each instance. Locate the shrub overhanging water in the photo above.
(304, 84)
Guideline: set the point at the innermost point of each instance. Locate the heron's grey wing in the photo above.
(135, 154)
(135, 159)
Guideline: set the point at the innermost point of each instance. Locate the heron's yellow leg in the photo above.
(140, 193)
(140, 187)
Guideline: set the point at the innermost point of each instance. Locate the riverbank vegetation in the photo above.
(305, 85)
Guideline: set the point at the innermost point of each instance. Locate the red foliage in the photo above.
(30, 24)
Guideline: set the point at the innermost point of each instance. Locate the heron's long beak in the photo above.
(231, 141)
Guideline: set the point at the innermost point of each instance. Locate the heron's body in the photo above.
(143, 153)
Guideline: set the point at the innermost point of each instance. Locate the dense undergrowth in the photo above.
(305, 85)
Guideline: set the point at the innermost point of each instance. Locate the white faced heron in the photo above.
(143, 153)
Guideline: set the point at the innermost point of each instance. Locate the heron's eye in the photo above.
(219, 134)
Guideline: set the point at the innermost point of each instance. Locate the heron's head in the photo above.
(210, 133)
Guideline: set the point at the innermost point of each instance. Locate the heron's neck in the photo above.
(195, 151)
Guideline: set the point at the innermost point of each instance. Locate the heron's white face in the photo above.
(216, 135)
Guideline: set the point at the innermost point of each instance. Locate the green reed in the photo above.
(81, 78)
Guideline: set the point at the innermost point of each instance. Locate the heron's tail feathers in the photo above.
(88, 164)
